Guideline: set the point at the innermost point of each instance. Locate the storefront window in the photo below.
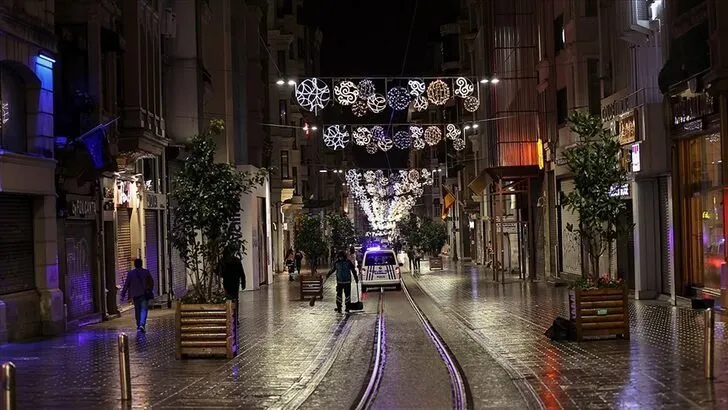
(705, 197)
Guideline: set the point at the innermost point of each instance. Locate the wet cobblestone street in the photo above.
(296, 356)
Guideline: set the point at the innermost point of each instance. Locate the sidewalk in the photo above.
(281, 338)
(661, 366)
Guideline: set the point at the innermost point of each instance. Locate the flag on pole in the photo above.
(448, 200)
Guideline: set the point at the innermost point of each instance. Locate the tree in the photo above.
(409, 229)
(206, 216)
(594, 161)
(309, 238)
(433, 236)
(342, 233)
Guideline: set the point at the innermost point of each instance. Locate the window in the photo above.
(150, 173)
(294, 175)
(591, 8)
(281, 61)
(380, 259)
(559, 35)
(294, 133)
(13, 136)
(595, 91)
(282, 112)
(451, 48)
(301, 48)
(562, 106)
(436, 208)
(285, 174)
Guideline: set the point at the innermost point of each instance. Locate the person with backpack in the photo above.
(139, 285)
(344, 270)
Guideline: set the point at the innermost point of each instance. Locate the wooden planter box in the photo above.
(206, 330)
(435, 262)
(599, 312)
(312, 286)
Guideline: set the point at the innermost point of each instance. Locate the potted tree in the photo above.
(206, 224)
(342, 234)
(434, 236)
(309, 238)
(598, 303)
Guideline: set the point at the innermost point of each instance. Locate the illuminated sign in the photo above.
(628, 129)
(636, 166)
(539, 153)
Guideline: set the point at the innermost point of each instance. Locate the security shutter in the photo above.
(665, 206)
(179, 271)
(79, 281)
(123, 243)
(17, 271)
(151, 250)
(570, 245)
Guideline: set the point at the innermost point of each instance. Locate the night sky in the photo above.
(369, 38)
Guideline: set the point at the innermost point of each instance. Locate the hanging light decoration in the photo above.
(433, 135)
(312, 94)
(452, 131)
(463, 87)
(372, 148)
(359, 109)
(458, 144)
(376, 103)
(366, 88)
(402, 139)
(385, 144)
(346, 92)
(438, 92)
(336, 137)
(420, 103)
(362, 136)
(416, 87)
(471, 104)
(398, 98)
(378, 133)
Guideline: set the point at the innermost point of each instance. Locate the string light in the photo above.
(471, 104)
(362, 136)
(463, 87)
(372, 148)
(385, 144)
(398, 98)
(312, 94)
(458, 144)
(376, 103)
(416, 87)
(438, 92)
(420, 103)
(433, 135)
(377, 133)
(336, 137)
(452, 131)
(346, 92)
(366, 88)
(359, 109)
(402, 139)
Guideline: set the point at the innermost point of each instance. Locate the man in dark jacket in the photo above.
(233, 275)
(344, 270)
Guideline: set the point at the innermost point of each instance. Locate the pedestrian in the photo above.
(344, 271)
(232, 272)
(299, 260)
(351, 256)
(290, 264)
(418, 257)
(139, 285)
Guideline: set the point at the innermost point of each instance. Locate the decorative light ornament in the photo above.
(312, 94)
(378, 133)
(413, 175)
(438, 92)
(402, 139)
(418, 143)
(359, 109)
(385, 144)
(4, 113)
(433, 135)
(336, 137)
(453, 132)
(458, 144)
(398, 98)
(370, 176)
(420, 103)
(372, 148)
(463, 87)
(471, 104)
(416, 87)
(366, 88)
(362, 136)
(346, 92)
(376, 103)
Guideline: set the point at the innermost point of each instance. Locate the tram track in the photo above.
(459, 389)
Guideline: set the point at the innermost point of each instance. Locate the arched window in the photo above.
(13, 104)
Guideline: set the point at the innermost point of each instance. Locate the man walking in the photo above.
(140, 284)
(233, 279)
(344, 270)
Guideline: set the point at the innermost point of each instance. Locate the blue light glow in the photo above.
(47, 58)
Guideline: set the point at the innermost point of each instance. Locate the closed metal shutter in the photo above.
(666, 244)
(17, 260)
(151, 247)
(570, 244)
(123, 246)
(179, 271)
(553, 224)
(79, 281)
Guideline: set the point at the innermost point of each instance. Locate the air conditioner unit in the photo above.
(169, 24)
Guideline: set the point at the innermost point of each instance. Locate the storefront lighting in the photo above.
(475, 126)
(323, 171)
(484, 81)
(291, 83)
(280, 81)
(47, 58)
(314, 128)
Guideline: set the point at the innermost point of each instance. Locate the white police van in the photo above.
(380, 268)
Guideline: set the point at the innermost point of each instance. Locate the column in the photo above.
(52, 309)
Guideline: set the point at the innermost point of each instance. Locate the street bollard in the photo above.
(124, 371)
(8, 384)
(709, 346)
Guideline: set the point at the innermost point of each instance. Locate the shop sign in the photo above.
(153, 200)
(507, 227)
(82, 208)
(628, 129)
(620, 106)
(636, 165)
(620, 191)
(687, 109)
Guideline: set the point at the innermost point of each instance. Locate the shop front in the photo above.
(127, 230)
(699, 194)
(154, 249)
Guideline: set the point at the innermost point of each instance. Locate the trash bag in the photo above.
(560, 330)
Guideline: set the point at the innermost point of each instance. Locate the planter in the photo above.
(435, 262)
(312, 286)
(599, 312)
(208, 330)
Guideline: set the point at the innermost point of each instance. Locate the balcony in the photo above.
(632, 21)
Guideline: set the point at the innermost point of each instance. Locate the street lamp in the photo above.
(280, 81)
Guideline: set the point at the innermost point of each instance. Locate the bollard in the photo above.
(709, 346)
(124, 372)
(8, 384)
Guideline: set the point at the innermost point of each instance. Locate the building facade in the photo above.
(31, 302)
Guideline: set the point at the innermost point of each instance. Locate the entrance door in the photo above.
(625, 250)
(79, 289)
(110, 267)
